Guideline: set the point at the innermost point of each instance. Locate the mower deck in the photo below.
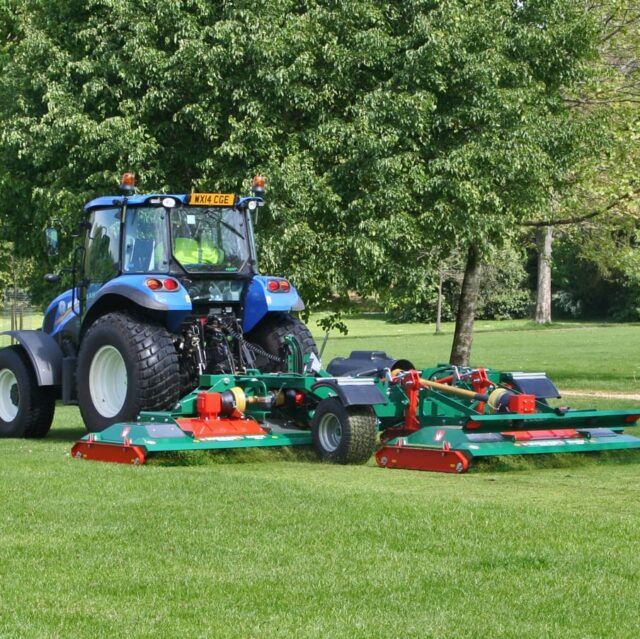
(132, 443)
(452, 449)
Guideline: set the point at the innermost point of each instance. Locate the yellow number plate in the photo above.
(212, 199)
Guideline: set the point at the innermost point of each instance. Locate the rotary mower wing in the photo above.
(452, 416)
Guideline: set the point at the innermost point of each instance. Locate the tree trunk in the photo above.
(439, 308)
(544, 239)
(463, 337)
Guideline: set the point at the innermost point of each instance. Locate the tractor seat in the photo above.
(141, 256)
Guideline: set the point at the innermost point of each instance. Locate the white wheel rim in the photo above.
(9, 395)
(330, 432)
(108, 381)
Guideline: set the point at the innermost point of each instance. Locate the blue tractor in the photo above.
(166, 287)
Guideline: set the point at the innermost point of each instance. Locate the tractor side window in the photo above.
(145, 241)
(102, 258)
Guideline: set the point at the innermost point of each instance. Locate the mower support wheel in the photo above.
(26, 409)
(344, 434)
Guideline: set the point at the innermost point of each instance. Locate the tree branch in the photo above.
(587, 216)
(589, 102)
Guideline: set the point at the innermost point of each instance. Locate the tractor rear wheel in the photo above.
(125, 365)
(26, 409)
(344, 434)
(269, 336)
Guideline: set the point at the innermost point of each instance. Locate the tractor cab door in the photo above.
(145, 248)
(102, 252)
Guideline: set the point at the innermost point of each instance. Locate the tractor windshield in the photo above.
(210, 240)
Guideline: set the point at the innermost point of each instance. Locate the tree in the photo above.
(392, 132)
(610, 95)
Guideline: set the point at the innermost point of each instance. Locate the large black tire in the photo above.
(269, 336)
(343, 434)
(26, 409)
(125, 365)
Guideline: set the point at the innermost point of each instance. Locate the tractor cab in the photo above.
(204, 240)
(172, 257)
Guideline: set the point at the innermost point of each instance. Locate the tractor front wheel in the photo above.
(26, 409)
(125, 366)
(269, 336)
(344, 434)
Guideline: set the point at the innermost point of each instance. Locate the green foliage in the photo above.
(596, 262)
(391, 132)
(596, 272)
(16, 273)
(504, 292)
(5, 270)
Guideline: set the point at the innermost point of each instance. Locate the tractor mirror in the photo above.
(51, 235)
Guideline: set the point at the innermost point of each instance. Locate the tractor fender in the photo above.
(353, 391)
(44, 353)
(259, 301)
(134, 288)
(176, 304)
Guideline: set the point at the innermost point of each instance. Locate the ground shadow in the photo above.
(70, 434)
(510, 463)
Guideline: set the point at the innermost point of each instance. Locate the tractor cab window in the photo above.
(102, 255)
(145, 240)
(210, 240)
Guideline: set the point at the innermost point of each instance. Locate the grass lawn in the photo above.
(27, 320)
(574, 355)
(274, 544)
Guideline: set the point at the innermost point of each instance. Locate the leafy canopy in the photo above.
(391, 132)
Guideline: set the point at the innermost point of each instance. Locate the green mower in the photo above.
(437, 419)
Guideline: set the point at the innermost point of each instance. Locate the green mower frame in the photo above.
(438, 419)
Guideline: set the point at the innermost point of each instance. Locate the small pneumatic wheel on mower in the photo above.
(125, 365)
(344, 434)
(26, 409)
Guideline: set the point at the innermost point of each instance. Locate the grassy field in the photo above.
(274, 544)
(26, 319)
(574, 355)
